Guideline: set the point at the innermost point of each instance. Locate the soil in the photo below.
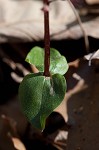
(82, 108)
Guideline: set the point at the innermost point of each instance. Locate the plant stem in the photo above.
(46, 38)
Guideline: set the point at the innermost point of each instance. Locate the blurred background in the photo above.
(74, 31)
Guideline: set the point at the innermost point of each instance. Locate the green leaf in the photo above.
(36, 57)
(30, 94)
(40, 95)
(58, 63)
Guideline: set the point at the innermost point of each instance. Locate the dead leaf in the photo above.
(62, 135)
(94, 55)
(92, 1)
(5, 128)
(18, 144)
(91, 56)
(91, 28)
(23, 26)
(19, 23)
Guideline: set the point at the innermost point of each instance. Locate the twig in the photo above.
(81, 26)
(60, 143)
(57, 146)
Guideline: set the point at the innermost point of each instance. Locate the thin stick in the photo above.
(46, 38)
(57, 146)
(81, 26)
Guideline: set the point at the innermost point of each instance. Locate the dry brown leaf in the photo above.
(74, 32)
(94, 55)
(92, 1)
(5, 128)
(62, 135)
(12, 109)
(18, 144)
(18, 22)
(91, 56)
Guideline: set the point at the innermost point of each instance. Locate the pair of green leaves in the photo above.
(40, 95)
(58, 63)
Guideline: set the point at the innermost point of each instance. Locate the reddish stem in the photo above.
(46, 38)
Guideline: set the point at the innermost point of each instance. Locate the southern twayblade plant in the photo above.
(40, 93)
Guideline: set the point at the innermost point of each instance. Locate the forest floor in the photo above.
(73, 127)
